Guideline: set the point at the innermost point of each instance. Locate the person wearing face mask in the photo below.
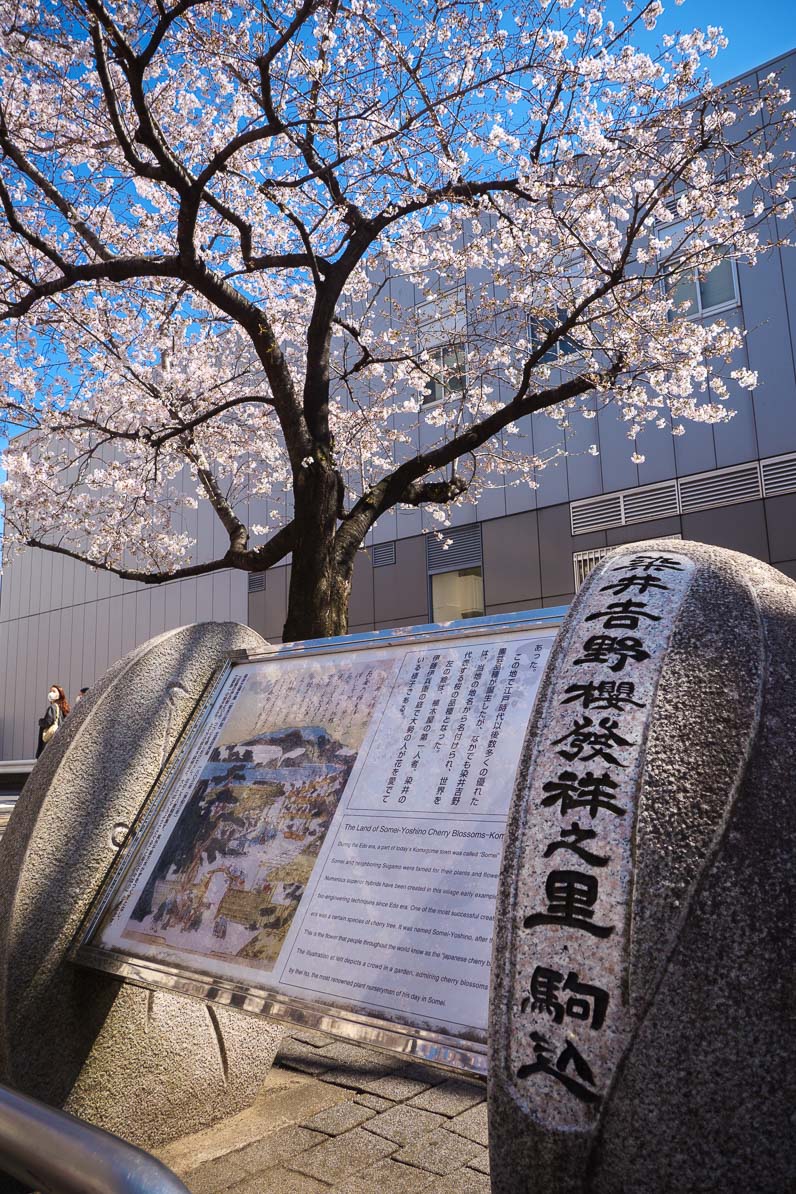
(57, 710)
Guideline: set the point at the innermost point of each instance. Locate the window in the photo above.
(458, 594)
(450, 374)
(565, 291)
(442, 332)
(704, 292)
(666, 212)
(565, 346)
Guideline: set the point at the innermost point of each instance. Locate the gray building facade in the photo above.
(732, 484)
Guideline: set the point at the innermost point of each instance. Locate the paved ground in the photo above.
(335, 1117)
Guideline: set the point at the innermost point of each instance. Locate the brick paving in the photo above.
(337, 1118)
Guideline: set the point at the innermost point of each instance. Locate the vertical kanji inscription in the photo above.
(569, 1017)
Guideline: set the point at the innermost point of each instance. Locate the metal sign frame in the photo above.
(443, 1048)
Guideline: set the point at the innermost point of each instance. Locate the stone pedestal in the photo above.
(638, 1027)
(148, 1066)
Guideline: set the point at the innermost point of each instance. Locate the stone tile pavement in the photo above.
(343, 1119)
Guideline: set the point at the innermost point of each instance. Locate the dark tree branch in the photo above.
(118, 269)
(400, 486)
(36, 242)
(32, 172)
(141, 167)
(258, 559)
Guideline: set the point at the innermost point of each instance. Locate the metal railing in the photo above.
(54, 1153)
(13, 773)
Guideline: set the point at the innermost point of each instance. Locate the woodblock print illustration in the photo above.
(231, 876)
(226, 881)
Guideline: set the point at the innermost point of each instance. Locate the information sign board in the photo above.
(324, 844)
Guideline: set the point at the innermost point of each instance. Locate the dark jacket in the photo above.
(52, 715)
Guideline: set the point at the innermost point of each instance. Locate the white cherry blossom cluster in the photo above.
(241, 247)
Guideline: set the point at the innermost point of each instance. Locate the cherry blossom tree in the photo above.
(213, 214)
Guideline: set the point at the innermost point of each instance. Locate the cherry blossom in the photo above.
(242, 245)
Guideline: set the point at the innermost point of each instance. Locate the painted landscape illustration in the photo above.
(230, 877)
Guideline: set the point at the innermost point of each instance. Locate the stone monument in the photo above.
(638, 1029)
(146, 1065)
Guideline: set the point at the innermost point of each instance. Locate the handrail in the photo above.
(55, 1153)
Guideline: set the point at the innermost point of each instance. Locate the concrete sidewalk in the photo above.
(336, 1117)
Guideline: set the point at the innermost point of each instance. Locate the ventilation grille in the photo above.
(779, 474)
(721, 487)
(464, 550)
(597, 514)
(658, 501)
(383, 554)
(584, 561)
(256, 582)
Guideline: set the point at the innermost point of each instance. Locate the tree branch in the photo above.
(258, 559)
(118, 269)
(401, 487)
(47, 188)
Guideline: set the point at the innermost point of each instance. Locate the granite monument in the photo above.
(638, 1021)
(146, 1065)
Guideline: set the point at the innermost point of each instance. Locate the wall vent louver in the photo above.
(584, 561)
(464, 550)
(720, 487)
(383, 554)
(666, 211)
(724, 487)
(256, 582)
(779, 474)
(655, 501)
(596, 514)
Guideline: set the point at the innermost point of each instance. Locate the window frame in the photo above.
(559, 361)
(448, 393)
(703, 312)
(449, 572)
(456, 340)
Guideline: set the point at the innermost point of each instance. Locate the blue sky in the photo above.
(758, 30)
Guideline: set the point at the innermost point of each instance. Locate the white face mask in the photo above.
(52, 695)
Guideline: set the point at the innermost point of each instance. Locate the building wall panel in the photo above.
(24, 681)
(556, 545)
(157, 611)
(548, 438)
(512, 574)
(102, 657)
(781, 525)
(584, 474)
(694, 452)
(739, 528)
(770, 352)
(238, 586)
(657, 447)
(172, 600)
(360, 610)
(653, 529)
(618, 470)
(522, 497)
(401, 592)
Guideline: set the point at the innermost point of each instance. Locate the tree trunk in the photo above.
(320, 583)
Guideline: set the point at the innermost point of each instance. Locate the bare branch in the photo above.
(258, 559)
